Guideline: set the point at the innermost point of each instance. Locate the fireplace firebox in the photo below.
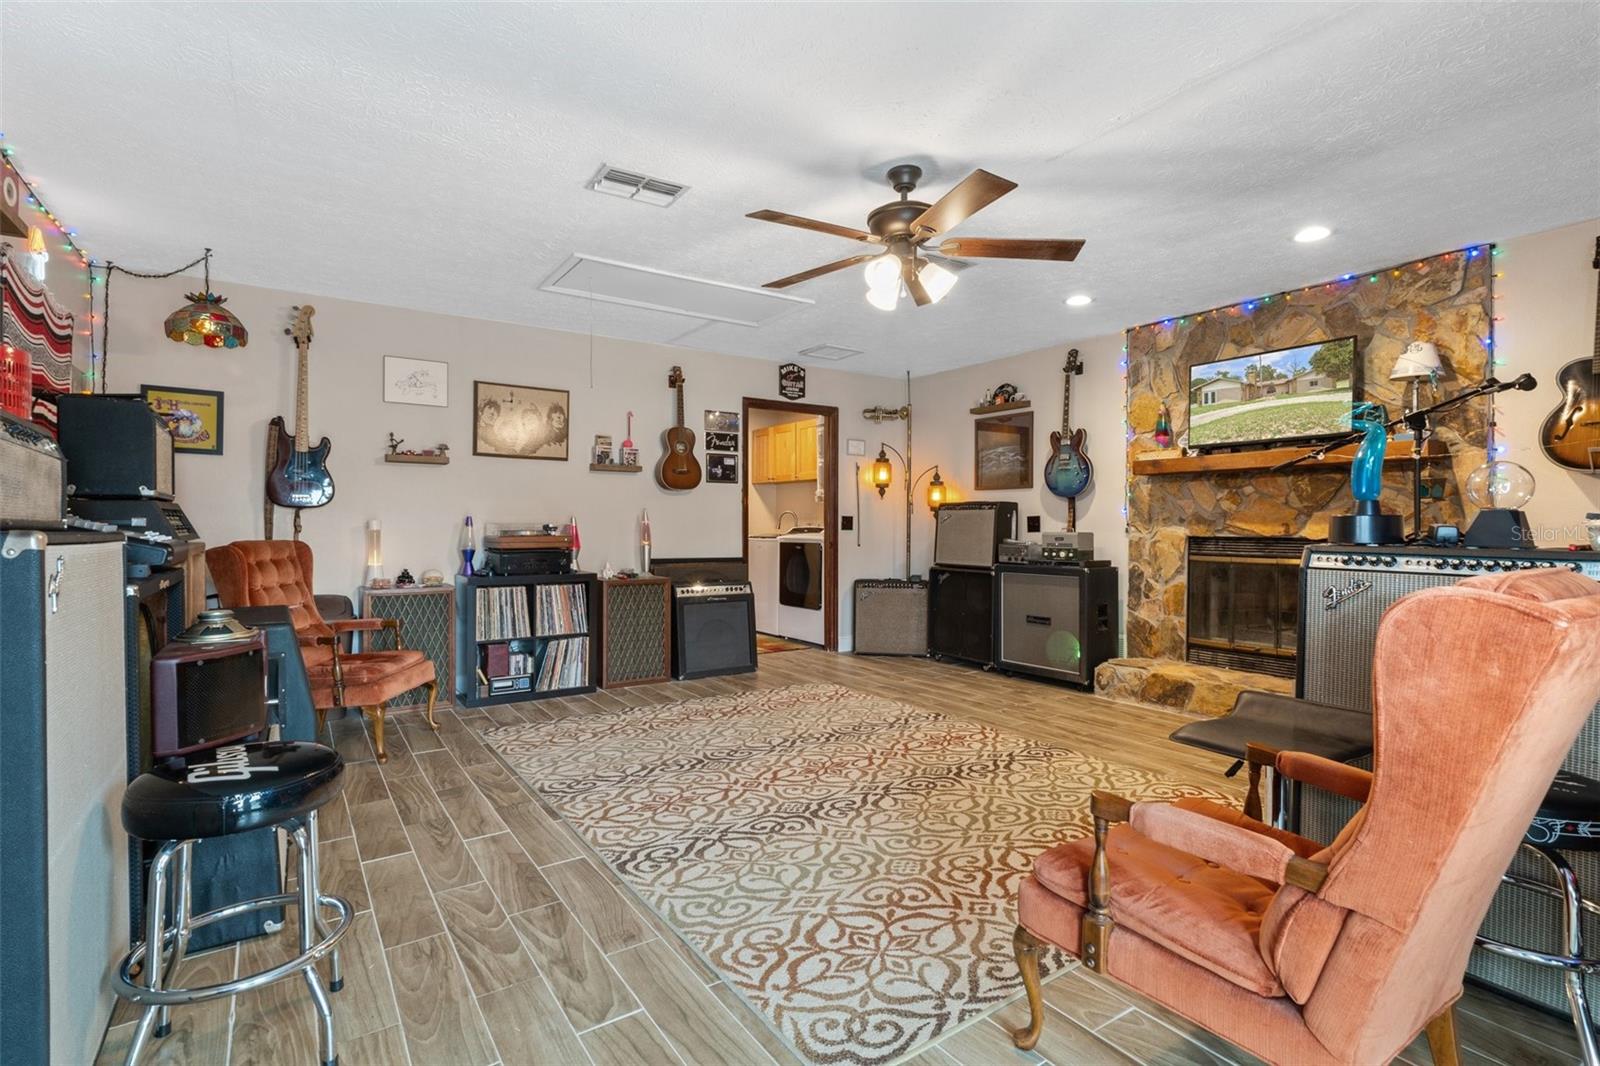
(1244, 602)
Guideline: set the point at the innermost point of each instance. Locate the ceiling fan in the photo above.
(902, 227)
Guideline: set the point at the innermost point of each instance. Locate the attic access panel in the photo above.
(609, 281)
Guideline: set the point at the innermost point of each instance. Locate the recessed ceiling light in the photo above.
(1079, 299)
(1313, 233)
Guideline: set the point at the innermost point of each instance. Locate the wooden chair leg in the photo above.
(1442, 1038)
(322, 723)
(375, 712)
(1027, 949)
(433, 695)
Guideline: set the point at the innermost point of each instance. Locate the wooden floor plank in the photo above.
(598, 905)
(516, 881)
(528, 1027)
(589, 991)
(386, 1047)
(632, 1041)
(401, 900)
(1139, 1034)
(378, 829)
(755, 1025)
(539, 834)
(438, 1014)
(696, 1023)
(473, 814)
(1063, 1040)
(488, 946)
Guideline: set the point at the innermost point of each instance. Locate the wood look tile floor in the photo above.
(488, 932)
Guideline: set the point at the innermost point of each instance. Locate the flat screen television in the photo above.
(1285, 396)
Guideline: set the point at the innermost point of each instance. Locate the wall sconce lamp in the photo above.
(883, 477)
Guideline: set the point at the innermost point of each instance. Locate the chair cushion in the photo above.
(370, 677)
(1209, 915)
(1293, 841)
(232, 789)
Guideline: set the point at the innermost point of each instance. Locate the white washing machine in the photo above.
(802, 592)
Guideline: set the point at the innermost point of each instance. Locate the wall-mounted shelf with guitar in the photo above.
(617, 468)
(1265, 459)
(526, 638)
(1000, 408)
(428, 460)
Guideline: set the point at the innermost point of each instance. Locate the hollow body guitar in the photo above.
(1571, 434)
(1068, 471)
(299, 475)
(679, 469)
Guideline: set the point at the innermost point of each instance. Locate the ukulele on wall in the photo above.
(1068, 472)
(678, 469)
(298, 476)
(1571, 435)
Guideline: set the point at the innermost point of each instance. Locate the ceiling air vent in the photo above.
(831, 352)
(613, 181)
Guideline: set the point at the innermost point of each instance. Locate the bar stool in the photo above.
(233, 789)
(1569, 819)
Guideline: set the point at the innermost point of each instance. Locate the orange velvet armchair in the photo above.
(262, 573)
(1304, 954)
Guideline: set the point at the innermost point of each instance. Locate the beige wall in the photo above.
(1546, 302)
(421, 507)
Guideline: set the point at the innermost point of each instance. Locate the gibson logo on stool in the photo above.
(233, 764)
(1333, 596)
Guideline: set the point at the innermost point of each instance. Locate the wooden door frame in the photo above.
(830, 502)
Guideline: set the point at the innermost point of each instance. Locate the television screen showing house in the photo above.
(1289, 394)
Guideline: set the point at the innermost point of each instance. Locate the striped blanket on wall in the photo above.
(32, 323)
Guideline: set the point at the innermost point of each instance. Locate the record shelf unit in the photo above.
(526, 638)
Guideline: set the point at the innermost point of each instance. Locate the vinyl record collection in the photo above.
(503, 613)
(563, 664)
(563, 610)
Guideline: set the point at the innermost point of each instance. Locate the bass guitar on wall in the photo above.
(678, 469)
(1571, 434)
(1068, 471)
(298, 476)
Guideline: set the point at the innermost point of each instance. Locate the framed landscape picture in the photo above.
(419, 381)
(193, 415)
(519, 421)
(1004, 451)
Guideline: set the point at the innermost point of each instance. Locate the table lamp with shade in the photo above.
(1419, 362)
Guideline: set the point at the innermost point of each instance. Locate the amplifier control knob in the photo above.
(1473, 564)
(1575, 567)
(1387, 560)
(1440, 564)
(1455, 564)
(1345, 560)
(1492, 564)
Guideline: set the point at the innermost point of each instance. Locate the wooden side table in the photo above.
(638, 631)
(427, 615)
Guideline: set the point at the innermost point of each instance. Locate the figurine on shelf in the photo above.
(1001, 395)
(394, 445)
(405, 580)
(1164, 426)
(432, 579)
(438, 451)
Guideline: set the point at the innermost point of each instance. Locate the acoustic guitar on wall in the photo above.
(1068, 471)
(299, 475)
(678, 469)
(1571, 434)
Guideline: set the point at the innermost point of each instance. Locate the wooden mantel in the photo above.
(1235, 462)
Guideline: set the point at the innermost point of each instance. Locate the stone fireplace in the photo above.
(1244, 603)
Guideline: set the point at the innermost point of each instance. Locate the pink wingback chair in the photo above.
(1307, 954)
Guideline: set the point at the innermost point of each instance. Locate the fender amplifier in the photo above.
(33, 477)
(891, 617)
(961, 614)
(115, 446)
(969, 534)
(1343, 595)
(713, 631)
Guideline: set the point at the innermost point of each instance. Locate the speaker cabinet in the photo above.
(206, 695)
(638, 631)
(969, 534)
(961, 614)
(891, 617)
(713, 634)
(115, 446)
(1058, 622)
(1342, 599)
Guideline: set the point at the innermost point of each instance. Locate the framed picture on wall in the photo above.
(1003, 451)
(193, 415)
(519, 421)
(419, 381)
(722, 469)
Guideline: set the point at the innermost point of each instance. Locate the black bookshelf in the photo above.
(470, 653)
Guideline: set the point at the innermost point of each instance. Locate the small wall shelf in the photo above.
(427, 460)
(1000, 408)
(1266, 459)
(616, 468)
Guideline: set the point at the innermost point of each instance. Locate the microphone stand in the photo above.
(1417, 421)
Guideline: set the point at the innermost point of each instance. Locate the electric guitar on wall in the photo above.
(1571, 435)
(678, 469)
(299, 475)
(1068, 472)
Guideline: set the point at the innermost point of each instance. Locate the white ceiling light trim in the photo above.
(1079, 299)
(1312, 234)
(610, 281)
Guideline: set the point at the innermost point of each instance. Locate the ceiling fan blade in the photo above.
(976, 191)
(786, 219)
(817, 272)
(918, 291)
(1011, 248)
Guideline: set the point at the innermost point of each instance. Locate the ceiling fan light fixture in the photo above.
(883, 272)
(885, 297)
(936, 279)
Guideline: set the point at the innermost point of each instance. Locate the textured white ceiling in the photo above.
(433, 155)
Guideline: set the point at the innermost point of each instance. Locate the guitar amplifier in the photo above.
(961, 614)
(969, 534)
(1055, 621)
(637, 632)
(115, 446)
(1343, 595)
(891, 617)
(208, 687)
(33, 477)
(714, 630)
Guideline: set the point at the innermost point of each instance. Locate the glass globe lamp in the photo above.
(1500, 483)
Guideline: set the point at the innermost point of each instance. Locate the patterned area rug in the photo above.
(769, 645)
(848, 863)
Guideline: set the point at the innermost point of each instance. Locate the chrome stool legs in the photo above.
(1573, 965)
(166, 944)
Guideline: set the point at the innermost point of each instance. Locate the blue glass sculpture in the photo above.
(1366, 472)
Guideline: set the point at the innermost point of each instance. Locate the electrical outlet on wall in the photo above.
(847, 522)
(1033, 523)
